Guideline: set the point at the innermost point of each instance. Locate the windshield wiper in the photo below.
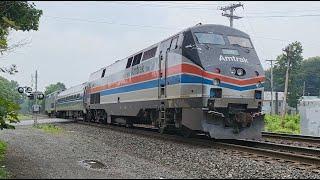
(236, 45)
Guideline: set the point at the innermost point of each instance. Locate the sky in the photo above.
(77, 38)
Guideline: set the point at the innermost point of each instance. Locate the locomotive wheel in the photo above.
(162, 130)
(128, 125)
(85, 117)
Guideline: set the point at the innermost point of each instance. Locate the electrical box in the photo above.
(309, 109)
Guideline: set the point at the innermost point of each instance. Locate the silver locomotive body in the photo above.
(207, 78)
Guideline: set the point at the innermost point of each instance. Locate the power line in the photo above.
(155, 4)
(202, 7)
(161, 6)
(276, 16)
(170, 2)
(306, 10)
(308, 44)
(145, 26)
(107, 22)
(254, 34)
(207, 4)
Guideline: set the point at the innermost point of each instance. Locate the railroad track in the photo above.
(303, 158)
(298, 154)
(300, 138)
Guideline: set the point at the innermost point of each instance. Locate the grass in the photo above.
(291, 125)
(50, 128)
(3, 172)
(22, 117)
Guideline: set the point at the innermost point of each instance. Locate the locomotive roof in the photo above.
(216, 28)
(72, 90)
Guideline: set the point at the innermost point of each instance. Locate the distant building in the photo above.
(309, 110)
(266, 107)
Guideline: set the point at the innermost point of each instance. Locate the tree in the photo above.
(295, 75)
(310, 70)
(11, 70)
(54, 87)
(17, 15)
(9, 99)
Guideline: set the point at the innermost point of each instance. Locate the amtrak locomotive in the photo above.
(207, 79)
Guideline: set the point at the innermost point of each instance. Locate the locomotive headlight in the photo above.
(240, 72)
(233, 70)
(216, 82)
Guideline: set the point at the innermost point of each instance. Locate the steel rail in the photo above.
(299, 138)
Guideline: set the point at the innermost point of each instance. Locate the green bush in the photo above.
(291, 125)
(3, 172)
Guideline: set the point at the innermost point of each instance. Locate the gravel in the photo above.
(33, 153)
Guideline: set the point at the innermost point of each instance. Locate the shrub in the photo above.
(3, 172)
(291, 125)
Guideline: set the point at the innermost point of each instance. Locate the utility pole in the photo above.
(304, 88)
(271, 84)
(277, 104)
(36, 103)
(231, 9)
(284, 108)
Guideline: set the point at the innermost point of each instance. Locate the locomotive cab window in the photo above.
(129, 62)
(174, 43)
(240, 41)
(103, 73)
(209, 38)
(149, 54)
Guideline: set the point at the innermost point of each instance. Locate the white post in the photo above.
(36, 97)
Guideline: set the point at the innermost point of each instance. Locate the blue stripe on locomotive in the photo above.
(177, 79)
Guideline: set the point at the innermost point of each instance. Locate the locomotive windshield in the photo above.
(241, 41)
(209, 38)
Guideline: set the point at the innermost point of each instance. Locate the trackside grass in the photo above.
(50, 128)
(3, 172)
(291, 126)
(22, 117)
